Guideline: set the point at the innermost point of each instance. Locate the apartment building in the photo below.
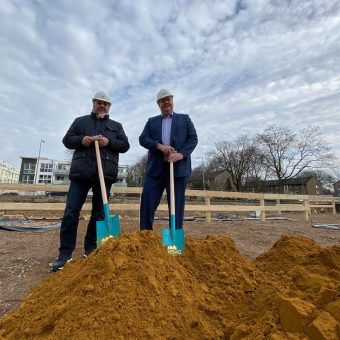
(122, 176)
(297, 185)
(36, 170)
(8, 173)
(51, 171)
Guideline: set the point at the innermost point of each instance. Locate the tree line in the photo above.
(277, 153)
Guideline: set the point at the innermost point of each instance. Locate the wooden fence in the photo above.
(204, 202)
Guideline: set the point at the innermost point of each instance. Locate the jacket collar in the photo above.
(94, 116)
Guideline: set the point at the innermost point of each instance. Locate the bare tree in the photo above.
(196, 178)
(287, 153)
(136, 172)
(68, 154)
(258, 172)
(235, 157)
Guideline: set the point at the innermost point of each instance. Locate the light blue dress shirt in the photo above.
(166, 129)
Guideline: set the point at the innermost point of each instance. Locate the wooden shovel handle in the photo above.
(172, 190)
(100, 172)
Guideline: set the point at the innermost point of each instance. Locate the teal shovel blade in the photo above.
(105, 229)
(177, 240)
(173, 237)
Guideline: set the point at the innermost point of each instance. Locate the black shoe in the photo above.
(60, 262)
(88, 252)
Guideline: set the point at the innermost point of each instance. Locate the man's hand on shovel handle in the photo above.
(102, 141)
(87, 141)
(166, 149)
(176, 156)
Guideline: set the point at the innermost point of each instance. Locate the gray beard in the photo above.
(101, 115)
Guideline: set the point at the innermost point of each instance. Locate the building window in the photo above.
(27, 179)
(45, 179)
(46, 167)
(63, 167)
(29, 168)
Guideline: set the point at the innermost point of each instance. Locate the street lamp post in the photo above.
(36, 168)
(202, 172)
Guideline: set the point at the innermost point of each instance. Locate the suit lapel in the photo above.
(173, 129)
(159, 127)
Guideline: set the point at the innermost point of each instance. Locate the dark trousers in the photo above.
(152, 194)
(76, 197)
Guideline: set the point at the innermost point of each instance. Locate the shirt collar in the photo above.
(170, 115)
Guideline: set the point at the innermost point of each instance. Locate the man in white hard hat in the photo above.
(169, 137)
(84, 173)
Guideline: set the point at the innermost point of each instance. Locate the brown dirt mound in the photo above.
(131, 288)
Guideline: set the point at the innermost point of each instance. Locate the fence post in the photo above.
(263, 213)
(306, 205)
(334, 207)
(207, 213)
(278, 206)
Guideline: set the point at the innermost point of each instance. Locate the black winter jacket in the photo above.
(84, 163)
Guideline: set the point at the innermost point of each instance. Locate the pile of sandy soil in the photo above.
(132, 288)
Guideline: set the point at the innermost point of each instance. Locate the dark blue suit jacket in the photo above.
(183, 139)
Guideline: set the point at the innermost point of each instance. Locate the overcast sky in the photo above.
(234, 66)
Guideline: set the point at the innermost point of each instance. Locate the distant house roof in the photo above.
(291, 181)
(336, 183)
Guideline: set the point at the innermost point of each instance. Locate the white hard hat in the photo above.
(101, 95)
(164, 93)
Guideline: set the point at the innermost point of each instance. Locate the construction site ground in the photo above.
(24, 256)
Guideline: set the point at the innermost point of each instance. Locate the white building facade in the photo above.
(8, 173)
(51, 171)
(121, 177)
(43, 170)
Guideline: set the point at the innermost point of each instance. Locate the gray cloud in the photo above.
(234, 66)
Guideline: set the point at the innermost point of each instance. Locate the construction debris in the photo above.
(27, 225)
(327, 226)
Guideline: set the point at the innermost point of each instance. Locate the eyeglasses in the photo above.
(101, 102)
